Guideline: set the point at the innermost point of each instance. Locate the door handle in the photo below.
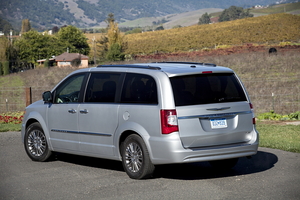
(72, 111)
(218, 109)
(85, 111)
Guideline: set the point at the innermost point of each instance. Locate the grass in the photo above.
(10, 127)
(11, 81)
(279, 136)
(183, 19)
(272, 135)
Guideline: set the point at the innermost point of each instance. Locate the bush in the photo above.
(46, 63)
(295, 115)
(76, 62)
(1, 69)
(136, 30)
(6, 68)
(274, 116)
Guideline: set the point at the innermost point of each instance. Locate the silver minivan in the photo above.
(145, 115)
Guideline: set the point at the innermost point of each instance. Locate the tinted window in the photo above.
(69, 90)
(102, 87)
(139, 88)
(206, 88)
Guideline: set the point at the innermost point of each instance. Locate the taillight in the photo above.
(168, 120)
(253, 116)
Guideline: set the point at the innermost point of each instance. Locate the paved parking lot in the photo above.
(271, 174)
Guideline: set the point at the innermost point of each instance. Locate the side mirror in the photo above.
(47, 96)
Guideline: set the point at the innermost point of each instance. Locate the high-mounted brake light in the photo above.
(169, 122)
(206, 72)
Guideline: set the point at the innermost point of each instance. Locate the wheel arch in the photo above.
(128, 129)
(123, 136)
(36, 117)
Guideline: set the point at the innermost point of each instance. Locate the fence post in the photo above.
(28, 96)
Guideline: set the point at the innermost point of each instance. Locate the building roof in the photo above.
(43, 60)
(70, 56)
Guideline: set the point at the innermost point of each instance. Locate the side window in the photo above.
(139, 88)
(102, 87)
(69, 90)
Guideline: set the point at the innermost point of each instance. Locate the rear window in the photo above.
(206, 88)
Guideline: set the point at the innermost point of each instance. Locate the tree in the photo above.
(55, 29)
(12, 56)
(159, 28)
(101, 48)
(72, 38)
(110, 18)
(113, 34)
(177, 26)
(5, 26)
(32, 46)
(114, 41)
(4, 43)
(25, 26)
(204, 19)
(8, 53)
(234, 13)
(115, 53)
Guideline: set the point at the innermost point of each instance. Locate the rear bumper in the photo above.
(170, 150)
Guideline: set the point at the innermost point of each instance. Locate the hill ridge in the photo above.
(86, 13)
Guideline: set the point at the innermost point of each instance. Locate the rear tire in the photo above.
(35, 143)
(135, 158)
(224, 164)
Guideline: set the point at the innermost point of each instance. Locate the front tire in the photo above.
(35, 143)
(135, 158)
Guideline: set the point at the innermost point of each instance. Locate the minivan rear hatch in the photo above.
(212, 110)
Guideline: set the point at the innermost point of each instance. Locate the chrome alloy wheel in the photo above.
(36, 143)
(133, 157)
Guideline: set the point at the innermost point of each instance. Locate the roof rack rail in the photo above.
(131, 66)
(191, 63)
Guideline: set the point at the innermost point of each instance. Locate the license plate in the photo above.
(218, 123)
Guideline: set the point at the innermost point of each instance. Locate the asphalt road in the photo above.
(270, 174)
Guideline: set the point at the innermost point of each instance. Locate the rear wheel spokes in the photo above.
(134, 157)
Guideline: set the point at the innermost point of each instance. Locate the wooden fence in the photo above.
(264, 95)
(17, 98)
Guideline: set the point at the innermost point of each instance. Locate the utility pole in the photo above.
(94, 47)
(10, 37)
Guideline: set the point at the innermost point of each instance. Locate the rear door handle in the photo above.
(85, 111)
(72, 111)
